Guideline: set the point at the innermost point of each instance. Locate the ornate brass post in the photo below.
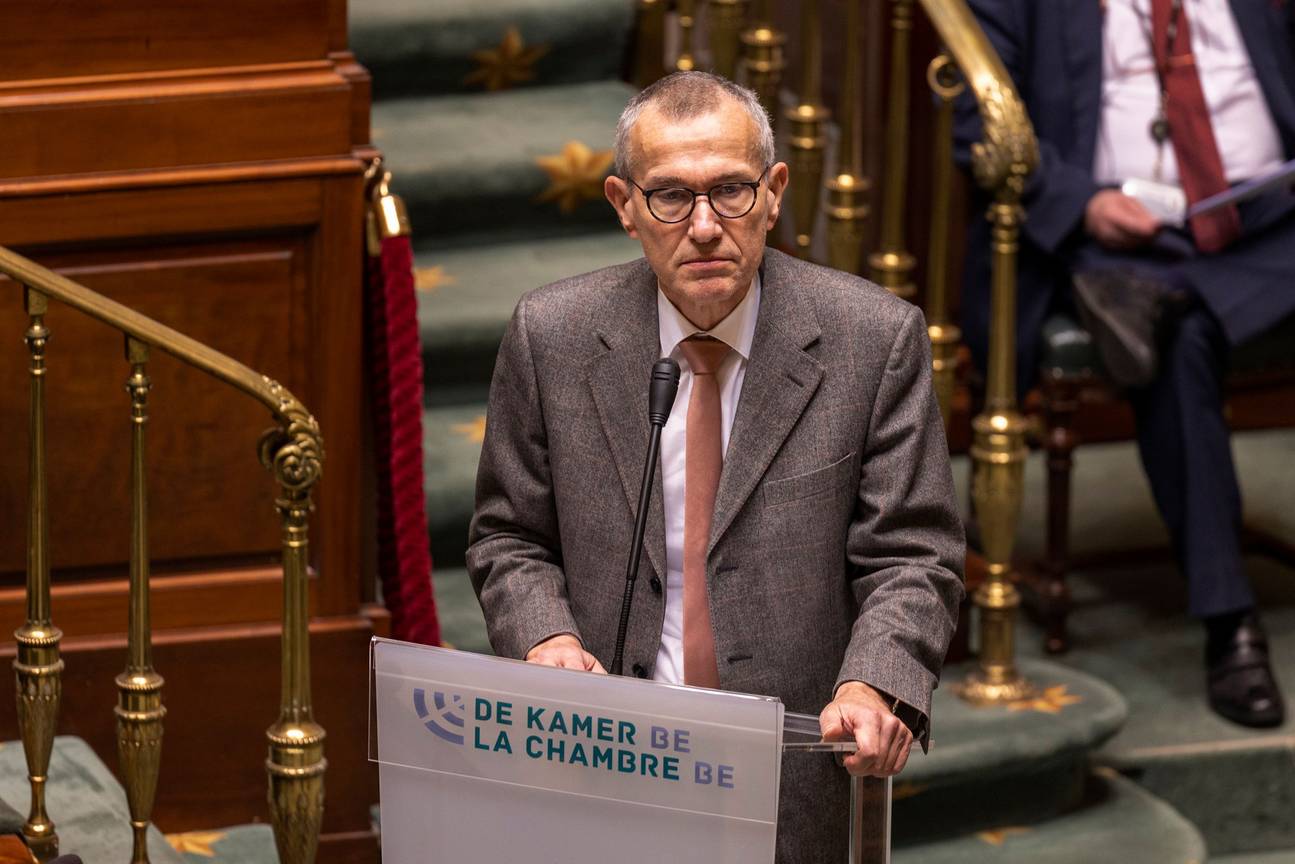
(38, 667)
(847, 192)
(139, 699)
(945, 81)
(808, 120)
(686, 61)
(296, 764)
(724, 21)
(762, 59)
(891, 265)
(649, 54)
(1001, 163)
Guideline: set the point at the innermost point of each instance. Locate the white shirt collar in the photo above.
(737, 329)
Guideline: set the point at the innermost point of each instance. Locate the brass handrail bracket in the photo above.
(1000, 163)
(294, 452)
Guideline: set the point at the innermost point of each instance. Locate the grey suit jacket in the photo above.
(836, 550)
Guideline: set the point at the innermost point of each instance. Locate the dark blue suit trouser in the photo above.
(1187, 454)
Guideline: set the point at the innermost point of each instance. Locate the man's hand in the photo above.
(565, 652)
(1117, 221)
(859, 712)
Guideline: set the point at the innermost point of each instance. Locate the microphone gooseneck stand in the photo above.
(661, 392)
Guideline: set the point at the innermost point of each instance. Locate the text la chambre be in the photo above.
(590, 741)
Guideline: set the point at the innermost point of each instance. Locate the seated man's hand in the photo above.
(859, 712)
(565, 652)
(1117, 221)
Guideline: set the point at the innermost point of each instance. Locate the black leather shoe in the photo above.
(1241, 683)
(1123, 311)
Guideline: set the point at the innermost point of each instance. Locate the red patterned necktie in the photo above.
(703, 463)
(1200, 168)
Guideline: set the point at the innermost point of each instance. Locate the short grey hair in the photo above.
(683, 96)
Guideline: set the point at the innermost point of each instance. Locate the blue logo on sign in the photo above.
(450, 713)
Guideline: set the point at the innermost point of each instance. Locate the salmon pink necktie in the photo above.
(705, 459)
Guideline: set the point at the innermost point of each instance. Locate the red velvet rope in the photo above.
(396, 388)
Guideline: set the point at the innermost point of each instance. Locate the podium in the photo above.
(487, 759)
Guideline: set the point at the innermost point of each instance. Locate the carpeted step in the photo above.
(1237, 785)
(1130, 627)
(85, 801)
(1117, 821)
(447, 46)
(531, 159)
(451, 447)
(242, 844)
(466, 296)
(1023, 762)
(1272, 856)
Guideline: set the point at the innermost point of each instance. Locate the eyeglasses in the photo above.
(731, 200)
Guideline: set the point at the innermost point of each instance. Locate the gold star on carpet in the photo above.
(509, 64)
(474, 431)
(907, 789)
(430, 278)
(998, 836)
(575, 175)
(196, 842)
(1050, 701)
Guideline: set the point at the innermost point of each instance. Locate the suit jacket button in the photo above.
(656, 585)
(639, 671)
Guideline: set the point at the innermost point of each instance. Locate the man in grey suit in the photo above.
(802, 539)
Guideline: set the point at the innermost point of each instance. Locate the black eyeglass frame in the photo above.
(753, 184)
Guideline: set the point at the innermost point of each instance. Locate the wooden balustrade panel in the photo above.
(201, 437)
(200, 161)
(90, 37)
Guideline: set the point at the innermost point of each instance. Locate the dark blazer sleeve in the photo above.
(1058, 191)
(905, 546)
(513, 556)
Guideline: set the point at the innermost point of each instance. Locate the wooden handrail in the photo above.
(293, 450)
(146, 330)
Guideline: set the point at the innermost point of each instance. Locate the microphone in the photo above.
(662, 388)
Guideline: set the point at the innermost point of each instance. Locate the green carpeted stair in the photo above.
(497, 120)
(89, 809)
(511, 162)
(430, 46)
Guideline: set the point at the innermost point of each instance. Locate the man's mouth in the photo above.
(706, 263)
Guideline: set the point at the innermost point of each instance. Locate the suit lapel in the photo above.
(618, 379)
(780, 379)
(1266, 37)
(1082, 23)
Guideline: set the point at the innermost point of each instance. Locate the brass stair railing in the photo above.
(1001, 163)
(293, 451)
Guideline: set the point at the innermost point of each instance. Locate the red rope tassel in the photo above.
(396, 387)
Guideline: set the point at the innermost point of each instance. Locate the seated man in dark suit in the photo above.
(1194, 95)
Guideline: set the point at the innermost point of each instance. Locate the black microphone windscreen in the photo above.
(661, 392)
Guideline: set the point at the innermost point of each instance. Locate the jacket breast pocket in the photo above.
(821, 481)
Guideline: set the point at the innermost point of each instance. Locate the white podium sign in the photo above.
(491, 760)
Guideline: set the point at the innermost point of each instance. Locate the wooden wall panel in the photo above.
(62, 38)
(162, 123)
(202, 162)
(241, 299)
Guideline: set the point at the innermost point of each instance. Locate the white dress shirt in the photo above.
(737, 330)
(1243, 126)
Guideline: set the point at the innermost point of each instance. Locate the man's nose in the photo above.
(703, 225)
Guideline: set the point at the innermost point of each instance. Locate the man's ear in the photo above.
(618, 193)
(778, 176)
